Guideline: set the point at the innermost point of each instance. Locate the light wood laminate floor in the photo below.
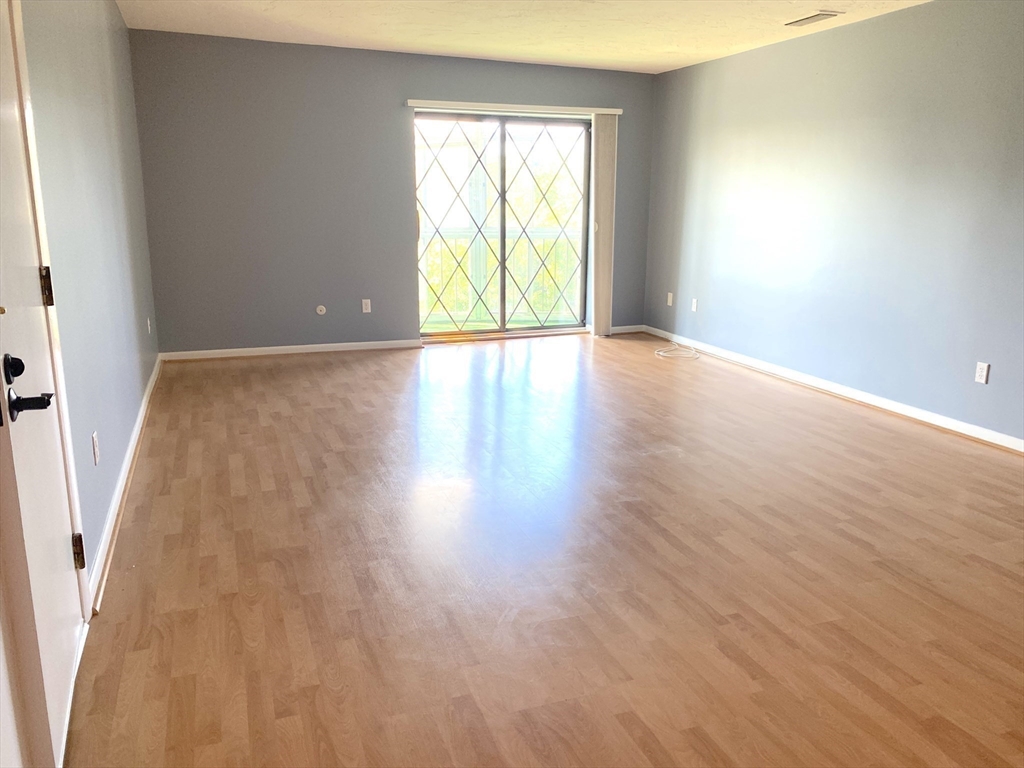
(557, 551)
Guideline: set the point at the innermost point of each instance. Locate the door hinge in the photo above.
(78, 550)
(46, 285)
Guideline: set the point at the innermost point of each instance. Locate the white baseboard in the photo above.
(628, 329)
(99, 566)
(910, 411)
(295, 349)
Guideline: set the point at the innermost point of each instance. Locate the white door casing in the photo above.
(56, 360)
(38, 513)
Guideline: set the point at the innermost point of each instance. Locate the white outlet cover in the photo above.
(321, 310)
(693, 306)
(95, 449)
(670, 299)
(149, 326)
(981, 373)
(366, 305)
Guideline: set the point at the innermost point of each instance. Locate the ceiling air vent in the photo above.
(819, 16)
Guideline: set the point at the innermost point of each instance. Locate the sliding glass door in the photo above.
(503, 209)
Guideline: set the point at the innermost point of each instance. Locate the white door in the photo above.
(32, 441)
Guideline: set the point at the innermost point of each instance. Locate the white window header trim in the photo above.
(506, 109)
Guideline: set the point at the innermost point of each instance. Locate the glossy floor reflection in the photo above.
(499, 433)
(554, 551)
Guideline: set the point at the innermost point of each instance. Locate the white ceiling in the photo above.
(631, 35)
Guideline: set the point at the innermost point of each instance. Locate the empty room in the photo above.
(512, 383)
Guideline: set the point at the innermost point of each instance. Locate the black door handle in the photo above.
(13, 368)
(16, 405)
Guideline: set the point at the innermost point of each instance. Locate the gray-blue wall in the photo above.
(851, 205)
(79, 71)
(279, 177)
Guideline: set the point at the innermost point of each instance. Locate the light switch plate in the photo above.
(693, 305)
(670, 299)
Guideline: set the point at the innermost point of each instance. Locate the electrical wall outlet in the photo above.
(321, 309)
(95, 449)
(670, 299)
(981, 373)
(693, 305)
(149, 326)
(366, 306)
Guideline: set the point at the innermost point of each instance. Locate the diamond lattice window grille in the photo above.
(544, 186)
(460, 206)
(458, 201)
